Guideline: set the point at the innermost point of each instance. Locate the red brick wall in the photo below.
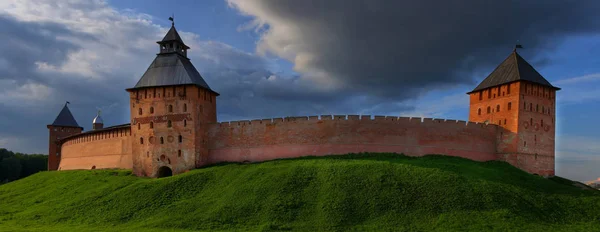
(97, 150)
(54, 150)
(260, 140)
(192, 107)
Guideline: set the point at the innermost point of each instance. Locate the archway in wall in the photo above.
(164, 171)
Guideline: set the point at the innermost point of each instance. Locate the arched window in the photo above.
(170, 108)
(151, 109)
(497, 108)
(180, 139)
(139, 126)
(140, 111)
(489, 110)
(509, 105)
(162, 141)
(169, 123)
(151, 125)
(184, 107)
(141, 140)
(479, 111)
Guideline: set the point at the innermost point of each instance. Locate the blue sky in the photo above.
(286, 58)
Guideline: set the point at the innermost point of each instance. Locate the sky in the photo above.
(277, 58)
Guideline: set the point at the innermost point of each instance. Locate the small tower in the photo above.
(97, 123)
(522, 103)
(64, 125)
(171, 106)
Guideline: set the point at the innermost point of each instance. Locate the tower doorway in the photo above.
(164, 171)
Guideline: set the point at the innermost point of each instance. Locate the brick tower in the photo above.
(64, 125)
(522, 102)
(171, 105)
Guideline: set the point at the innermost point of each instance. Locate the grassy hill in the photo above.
(336, 193)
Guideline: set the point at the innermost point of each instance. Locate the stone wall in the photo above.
(108, 148)
(259, 140)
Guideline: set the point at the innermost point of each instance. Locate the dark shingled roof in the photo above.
(171, 69)
(65, 118)
(513, 68)
(172, 35)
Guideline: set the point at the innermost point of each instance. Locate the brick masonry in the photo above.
(521, 134)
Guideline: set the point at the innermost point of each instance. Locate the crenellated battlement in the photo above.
(355, 118)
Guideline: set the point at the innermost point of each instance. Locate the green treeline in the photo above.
(14, 166)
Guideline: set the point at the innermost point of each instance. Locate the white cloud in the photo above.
(581, 79)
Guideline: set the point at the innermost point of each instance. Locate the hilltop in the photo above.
(336, 193)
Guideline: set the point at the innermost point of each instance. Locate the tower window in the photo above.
(489, 94)
(531, 121)
(151, 125)
(509, 105)
(184, 107)
(505, 121)
(530, 106)
(537, 107)
(497, 108)
(179, 153)
(488, 110)
(184, 123)
(139, 126)
(524, 143)
(480, 96)
(170, 108)
(479, 111)
(169, 124)
(162, 141)
(140, 111)
(498, 91)
(542, 122)
(151, 109)
(141, 140)
(180, 139)
(508, 89)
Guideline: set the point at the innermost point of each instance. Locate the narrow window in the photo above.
(151, 109)
(169, 123)
(479, 111)
(488, 110)
(180, 139)
(184, 123)
(151, 125)
(480, 96)
(141, 140)
(140, 111)
(530, 106)
(162, 141)
(498, 91)
(184, 107)
(524, 143)
(179, 153)
(534, 138)
(497, 108)
(509, 105)
(542, 122)
(537, 107)
(147, 154)
(499, 122)
(170, 108)
(508, 89)
(505, 121)
(531, 121)
(139, 126)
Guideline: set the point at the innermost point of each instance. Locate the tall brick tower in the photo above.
(522, 102)
(64, 125)
(170, 107)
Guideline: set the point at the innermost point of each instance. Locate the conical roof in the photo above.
(513, 68)
(65, 118)
(172, 35)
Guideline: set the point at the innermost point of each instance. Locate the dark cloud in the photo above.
(396, 49)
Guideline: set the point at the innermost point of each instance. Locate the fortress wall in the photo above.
(104, 149)
(266, 139)
(538, 164)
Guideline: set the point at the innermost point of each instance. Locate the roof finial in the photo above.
(172, 18)
(518, 45)
(99, 111)
(67, 103)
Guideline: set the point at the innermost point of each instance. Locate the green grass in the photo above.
(358, 192)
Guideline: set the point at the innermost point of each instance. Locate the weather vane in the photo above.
(172, 18)
(518, 45)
